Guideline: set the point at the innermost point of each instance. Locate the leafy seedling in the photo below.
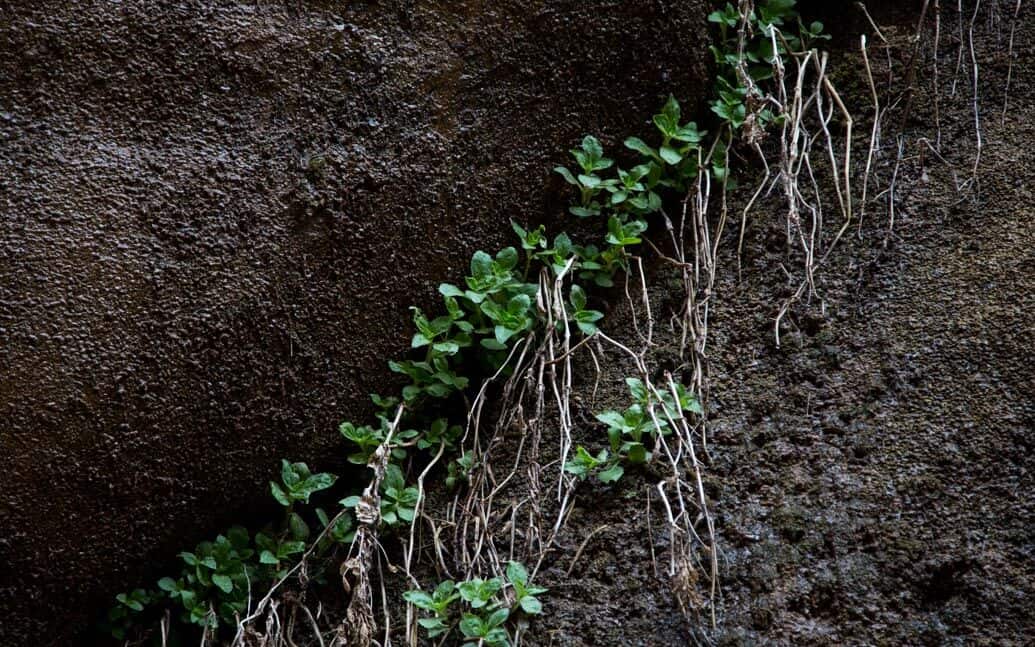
(478, 592)
(487, 630)
(585, 319)
(524, 593)
(590, 158)
(607, 469)
(299, 483)
(437, 603)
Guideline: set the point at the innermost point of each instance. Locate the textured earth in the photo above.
(214, 216)
(871, 477)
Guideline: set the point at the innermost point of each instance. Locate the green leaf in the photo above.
(288, 473)
(583, 212)
(471, 625)
(578, 297)
(498, 617)
(266, 557)
(507, 258)
(516, 572)
(420, 599)
(591, 145)
(589, 181)
(224, 582)
(450, 290)
(671, 155)
(447, 347)
(279, 494)
(671, 109)
(481, 264)
(167, 584)
(492, 344)
(299, 528)
(318, 482)
(637, 453)
(638, 145)
(566, 174)
(530, 605)
(611, 474)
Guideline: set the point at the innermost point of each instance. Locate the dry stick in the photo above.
(977, 116)
(959, 49)
(750, 204)
(1009, 69)
(874, 134)
(891, 193)
(911, 71)
(312, 621)
(582, 547)
(880, 35)
(952, 170)
(847, 204)
(937, 86)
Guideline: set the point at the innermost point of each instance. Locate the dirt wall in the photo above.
(214, 216)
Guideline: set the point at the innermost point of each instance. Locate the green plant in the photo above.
(524, 593)
(481, 323)
(438, 603)
(585, 319)
(215, 581)
(650, 415)
(486, 630)
(607, 468)
(127, 607)
(341, 532)
(459, 469)
(273, 552)
(479, 592)
(590, 158)
(486, 608)
(299, 483)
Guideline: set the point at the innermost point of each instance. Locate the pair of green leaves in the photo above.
(437, 603)
(299, 483)
(607, 468)
(368, 439)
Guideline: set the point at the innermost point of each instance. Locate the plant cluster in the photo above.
(480, 323)
(213, 586)
(767, 38)
(633, 432)
(484, 606)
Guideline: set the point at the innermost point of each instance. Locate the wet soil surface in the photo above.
(871, 478)
(214, 217)
(874, 475)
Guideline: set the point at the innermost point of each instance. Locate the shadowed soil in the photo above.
(214, 216)
(870, 478)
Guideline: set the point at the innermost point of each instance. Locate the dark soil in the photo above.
(215, 214)
(875, 480)
(872, 477)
